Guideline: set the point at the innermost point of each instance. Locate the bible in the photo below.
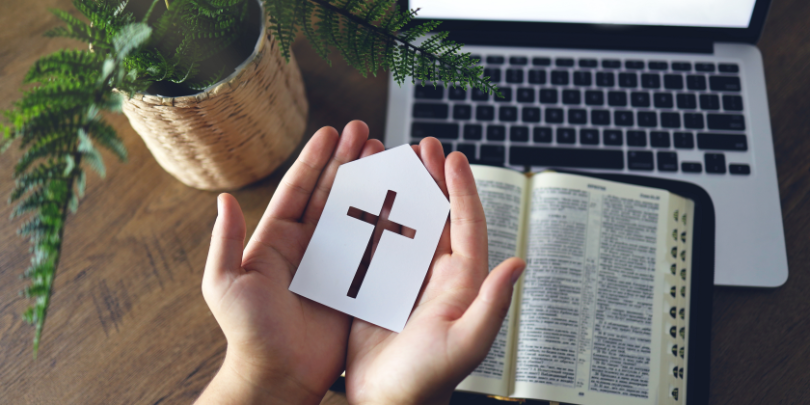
(606, 309)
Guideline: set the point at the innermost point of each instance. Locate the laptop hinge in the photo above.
(602, 42)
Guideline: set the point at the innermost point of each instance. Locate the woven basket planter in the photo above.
(232, 134)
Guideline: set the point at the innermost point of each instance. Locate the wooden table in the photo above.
(127, 322)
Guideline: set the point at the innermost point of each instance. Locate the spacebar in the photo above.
(560, 157)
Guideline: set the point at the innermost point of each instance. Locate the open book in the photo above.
(600, 314)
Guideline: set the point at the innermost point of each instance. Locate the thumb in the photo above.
(476, 329)
(227, 239)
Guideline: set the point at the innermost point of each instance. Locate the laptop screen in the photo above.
(674, 13)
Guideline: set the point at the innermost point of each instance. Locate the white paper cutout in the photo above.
(399, 263)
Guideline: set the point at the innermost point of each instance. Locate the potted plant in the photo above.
(163, 62)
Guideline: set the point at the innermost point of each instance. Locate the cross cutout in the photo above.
(381, 223)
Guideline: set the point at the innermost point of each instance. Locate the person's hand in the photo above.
(457, 316)
(282, 348)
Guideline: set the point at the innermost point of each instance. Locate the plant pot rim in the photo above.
(220, 86)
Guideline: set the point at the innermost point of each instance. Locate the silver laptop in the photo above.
(672, 89)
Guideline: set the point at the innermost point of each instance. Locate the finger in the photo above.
(225, 253)
(295, 189)
(473, 333)
(468, 226)
(432, 155)
(371, 147)
(351, 143)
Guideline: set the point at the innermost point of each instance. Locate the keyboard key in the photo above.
(628, 80)
(541, 61)
(673, 82)
(494, 74)
(728, 68)
(577, 116)
(739, 169)
(686, 101)
(709, 102)
(589, 136)
(554, 115)
(617, 99)
(506, 94)
(724, 83)
(519, 134)
(456, 93)
(651, 81)
(478, 95)
(623, 118)
(447, 148)
(582, 78)
(636, 138)
(587, 63)
(571, 97)
(548, 96)
(693, 121)
(612, 137)
(564, 62)
(731, 122)
(667, 162)
(525, 95)
(611, 64)
(605, 79)
(634, 64)
(659, 139)
(594, 97)
(462, 112)
(640, 99)
(647, 119)
(562, 157)
(484, 113)
(542, 135)
(656, 65)
(531, 114)
(430, 110)
(496, 132)
(639, 160)
(715, 163)
(436, 130)
(468, 149)
(514, 75)
(495, 60)
(731, 142)
(473, 132)
(696, 82)
(704, 67)
(684, 140)
(662, 100)
(559, 77)
(600, 117)
(493, 155)
(566, 135)
(670, 120)
(732, 103)
(691, 167)
(682, 66)
(518, 60)
(428, 91)
(537, 76)
(507, 114)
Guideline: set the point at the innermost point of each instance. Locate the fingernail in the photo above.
(516, 274)
(219, 204)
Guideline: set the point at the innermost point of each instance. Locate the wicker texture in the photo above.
(233, 134)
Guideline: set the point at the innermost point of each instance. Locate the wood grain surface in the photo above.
(128, 325)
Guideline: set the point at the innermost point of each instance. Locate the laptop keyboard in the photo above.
(591, 113)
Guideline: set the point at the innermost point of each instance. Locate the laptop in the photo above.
(670, 88)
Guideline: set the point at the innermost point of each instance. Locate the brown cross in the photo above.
(381, 223)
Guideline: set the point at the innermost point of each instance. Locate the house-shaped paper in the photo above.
(388, 197)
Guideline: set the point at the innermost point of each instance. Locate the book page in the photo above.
(502, 193)
(592, 302)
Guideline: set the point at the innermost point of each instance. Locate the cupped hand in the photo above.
(457, 315)
(281, 347)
